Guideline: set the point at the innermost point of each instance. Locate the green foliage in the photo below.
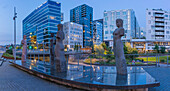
(93, 49)
(156, 48)
(129, 50)
(110, 56)
(162, 49)
(76, 47)
(9, 51)
(162, 60)
(104, 46)
(153, 59)
(98, 49)
(40, 46)
(9, 55)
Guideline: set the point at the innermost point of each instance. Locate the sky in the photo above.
(25, 7)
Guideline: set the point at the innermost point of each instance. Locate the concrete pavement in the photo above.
(13, 79)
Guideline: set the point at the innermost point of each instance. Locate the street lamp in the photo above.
(14, 18)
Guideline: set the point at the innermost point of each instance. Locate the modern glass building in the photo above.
(43, 21)
(73, 35)
(130, 24)
(83, 15)
(98, 32)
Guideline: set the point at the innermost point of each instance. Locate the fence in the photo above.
(80, 58)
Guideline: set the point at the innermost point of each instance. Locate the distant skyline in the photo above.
(25, 7)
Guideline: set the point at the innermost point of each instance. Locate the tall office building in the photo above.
(130, 24)
(98, 31)
(157, 25)
(43, 21)
(83, 15)
(73, 35)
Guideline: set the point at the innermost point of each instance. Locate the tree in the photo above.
(104, 46)
(162, 49)
(156, 48)
(9, 51)
(98, 49)
(129, 50)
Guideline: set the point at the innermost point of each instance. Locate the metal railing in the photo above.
(79, 58)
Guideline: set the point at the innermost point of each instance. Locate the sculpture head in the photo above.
(52, 34)
(119, 23)
(25, 36)
(60, 27)
(60, 34)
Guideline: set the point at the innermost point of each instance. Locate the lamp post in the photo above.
(14, 18)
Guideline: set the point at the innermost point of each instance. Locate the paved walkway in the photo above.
(162, 74)
(13, 79)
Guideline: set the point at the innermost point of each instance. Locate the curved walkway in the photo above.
(13, 79)
(162, 74)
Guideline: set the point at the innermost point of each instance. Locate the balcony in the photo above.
(159, 28)
(162, 20)
(159, 24)
(159, 38)
(159, 33)
(159, 15)
(139, 46)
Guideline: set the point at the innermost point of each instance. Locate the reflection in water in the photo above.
(104, 75)
(121, 79)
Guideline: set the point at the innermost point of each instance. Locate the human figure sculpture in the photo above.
(121, 65)
(59, 51)
(24, 50)
(52, 52)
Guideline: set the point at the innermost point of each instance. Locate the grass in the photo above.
(153, 59)
(9, 55)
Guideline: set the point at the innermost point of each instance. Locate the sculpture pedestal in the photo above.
(61, 66)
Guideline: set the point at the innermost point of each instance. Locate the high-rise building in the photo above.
(98, 32)
(38, 25)
(157, 25)
(73, 35)
(130, 24)
(83, 15)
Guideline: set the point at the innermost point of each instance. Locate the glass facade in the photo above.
(98, 32)
(84, 15)
(130, 23)
(43, 21)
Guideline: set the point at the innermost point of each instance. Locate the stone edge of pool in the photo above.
(81, 85)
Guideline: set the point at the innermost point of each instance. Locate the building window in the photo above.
(105, 23)
(149, 13)
(124, 13)
(166, 15)
(167, 32)
(106, 32)
(117, 13)
(105, 14)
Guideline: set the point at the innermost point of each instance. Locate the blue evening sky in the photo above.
(25, 7)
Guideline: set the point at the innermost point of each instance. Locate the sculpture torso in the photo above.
(119, 52)
(24, 50)
(118, 33)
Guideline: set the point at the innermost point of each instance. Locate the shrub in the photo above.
(9, 51)
(162, 60)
